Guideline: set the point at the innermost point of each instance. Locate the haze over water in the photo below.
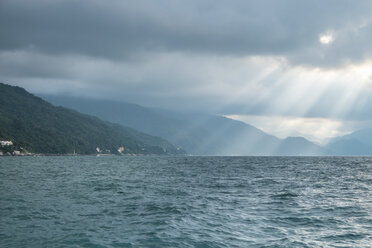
(86, 201)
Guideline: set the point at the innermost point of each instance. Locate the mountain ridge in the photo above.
(39, 127)
(198, 134)
(358, 143)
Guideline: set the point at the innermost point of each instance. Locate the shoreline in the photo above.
(93, 155)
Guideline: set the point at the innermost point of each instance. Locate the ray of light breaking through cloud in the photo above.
(292, 59)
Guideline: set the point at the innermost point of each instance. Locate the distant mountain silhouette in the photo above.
(198, 134)
(357, 143)
(300, 146)
(39, 127)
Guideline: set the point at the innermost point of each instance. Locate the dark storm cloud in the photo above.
(124, 29)
(228, 57)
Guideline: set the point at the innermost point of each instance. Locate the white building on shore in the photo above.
(6, 143)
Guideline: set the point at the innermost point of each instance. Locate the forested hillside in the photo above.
(40, 127)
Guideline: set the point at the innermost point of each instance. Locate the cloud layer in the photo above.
(123, 29)
(282, 58)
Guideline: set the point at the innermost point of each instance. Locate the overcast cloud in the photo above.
(122, 29)
(262, 58)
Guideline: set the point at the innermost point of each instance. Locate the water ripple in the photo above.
(185, 202)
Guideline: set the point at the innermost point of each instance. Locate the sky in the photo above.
(289, 67)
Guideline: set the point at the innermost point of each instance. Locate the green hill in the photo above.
(198, 134)
(39, 127)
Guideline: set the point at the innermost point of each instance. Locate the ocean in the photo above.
(185, 201)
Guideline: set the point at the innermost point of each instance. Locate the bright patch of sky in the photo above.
(327, 38)
(319, 130)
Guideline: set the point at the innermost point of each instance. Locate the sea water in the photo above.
(113, 201)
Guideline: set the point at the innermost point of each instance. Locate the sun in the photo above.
(326, 38)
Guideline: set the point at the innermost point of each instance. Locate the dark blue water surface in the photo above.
(86, 201)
